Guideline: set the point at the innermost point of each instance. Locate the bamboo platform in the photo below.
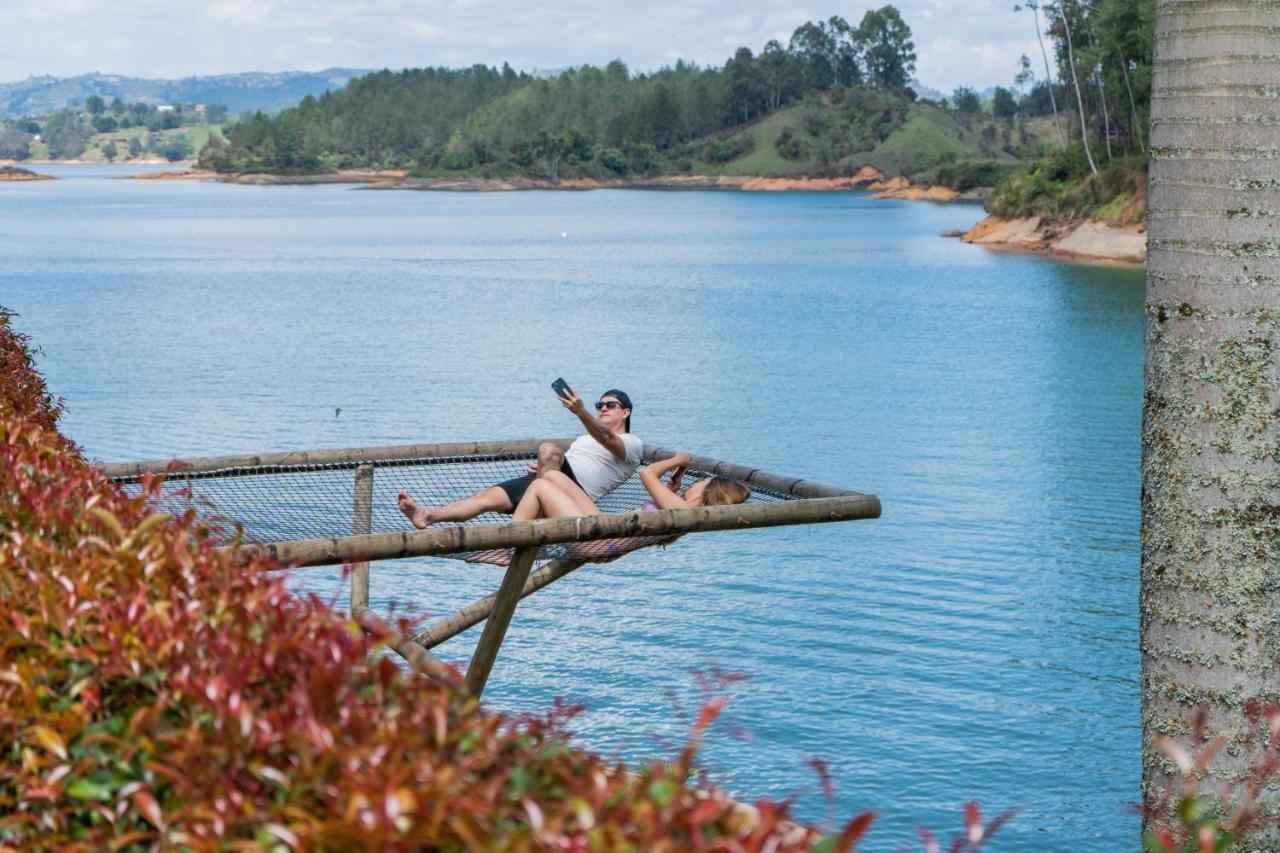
(787, 501)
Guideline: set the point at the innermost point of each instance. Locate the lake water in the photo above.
(978, 641)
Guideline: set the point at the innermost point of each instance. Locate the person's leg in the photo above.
(573, 491)
(550, 458)
(492, 499)
(544, 499)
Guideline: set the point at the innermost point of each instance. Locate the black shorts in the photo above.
(517, 486)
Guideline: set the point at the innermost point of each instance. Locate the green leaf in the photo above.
(521, 780)
(1190, 810)
(86, 789)
(825, 844)
(663, 791)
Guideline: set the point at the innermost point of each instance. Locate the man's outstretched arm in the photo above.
(595, 429)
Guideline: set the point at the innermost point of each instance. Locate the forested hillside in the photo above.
(834, 98)
(587, 120)
(269, 92)
(1099, 58)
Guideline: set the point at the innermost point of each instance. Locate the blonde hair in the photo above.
(720, 492)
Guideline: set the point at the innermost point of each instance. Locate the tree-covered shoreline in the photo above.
(824, 104)
(835, 98)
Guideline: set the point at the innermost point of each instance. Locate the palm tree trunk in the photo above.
(1075, 81)
(1210, 572)
(1106, 117)
(1102, 87)
(1048, 74)
(1133, 107)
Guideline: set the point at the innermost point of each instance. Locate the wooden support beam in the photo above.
(495, 628)
(418, 657)
(361, 523)
(552, 531)
(344, 456)
(478, 611)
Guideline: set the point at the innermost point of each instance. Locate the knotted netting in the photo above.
(278, 500)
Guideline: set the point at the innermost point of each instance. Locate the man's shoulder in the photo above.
(635, 447)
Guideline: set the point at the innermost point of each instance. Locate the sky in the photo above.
(958, 42)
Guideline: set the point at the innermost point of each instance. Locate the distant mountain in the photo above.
(928, 93)
(269, 92)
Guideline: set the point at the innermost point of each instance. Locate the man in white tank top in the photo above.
(595, 464)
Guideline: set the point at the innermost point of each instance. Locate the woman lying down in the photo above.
(554, 495)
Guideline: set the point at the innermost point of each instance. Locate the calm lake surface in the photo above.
(978, 641)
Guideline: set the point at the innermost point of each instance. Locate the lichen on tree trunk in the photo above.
(1210, 576)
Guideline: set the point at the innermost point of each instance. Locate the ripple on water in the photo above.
(980, 640)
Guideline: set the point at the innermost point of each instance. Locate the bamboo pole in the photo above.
(417, 656)
(553, 531)
(361, 523)
(337, 457)
(354, 456)
(478, 611)
(752, 476)
(495, 628)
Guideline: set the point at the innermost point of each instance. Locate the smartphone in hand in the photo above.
(561, 388)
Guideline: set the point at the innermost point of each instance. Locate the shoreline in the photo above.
(78, 161)
(1086, 241)
(13, 174)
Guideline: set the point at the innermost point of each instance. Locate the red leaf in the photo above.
(973, 821)
(854, 831)
(149, 808)
(708, 714)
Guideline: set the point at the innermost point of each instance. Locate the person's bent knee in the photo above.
(559, 479)
(550, 457)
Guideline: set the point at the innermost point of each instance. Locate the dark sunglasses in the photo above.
(608, 404)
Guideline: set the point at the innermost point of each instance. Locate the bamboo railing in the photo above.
(808, 503)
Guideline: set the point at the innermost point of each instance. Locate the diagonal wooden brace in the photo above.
(500, 617)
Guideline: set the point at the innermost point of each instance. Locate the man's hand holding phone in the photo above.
(568, 398)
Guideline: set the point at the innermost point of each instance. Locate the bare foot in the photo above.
(418, 516)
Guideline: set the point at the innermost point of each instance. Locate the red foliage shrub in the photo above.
(152, 692)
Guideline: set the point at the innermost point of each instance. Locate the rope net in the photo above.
(280, 503)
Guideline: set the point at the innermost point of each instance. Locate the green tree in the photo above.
(1024, 76)
(104, 124)
(780, 75)
(15, 144)
(966, 101)
(94, 104)
(889, 52)
(1003, 104)
(135, 147)
(612, 160)
(747, 93)
(109, 151)
(814, 45)
(64, 137)
(117, 105)
(176, 147)
(1034, 6)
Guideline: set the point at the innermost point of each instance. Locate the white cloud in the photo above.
(969, 42)
(239, 13)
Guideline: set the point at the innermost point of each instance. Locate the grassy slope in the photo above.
(764, 159)
(929, 136)
(199, 135)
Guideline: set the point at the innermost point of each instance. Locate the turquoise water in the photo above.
(978, 641)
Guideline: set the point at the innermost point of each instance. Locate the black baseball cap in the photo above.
(621, 397)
